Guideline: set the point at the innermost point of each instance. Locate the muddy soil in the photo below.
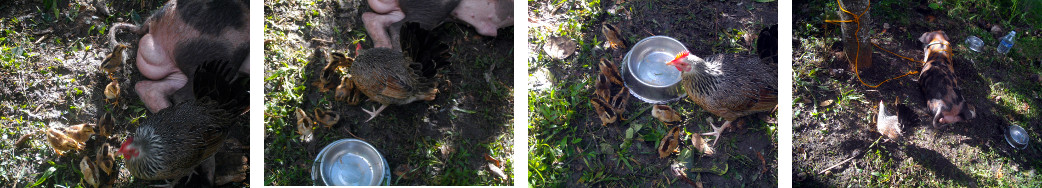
(473, 107)
(972, 153)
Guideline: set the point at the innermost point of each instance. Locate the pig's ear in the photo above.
(925, 38)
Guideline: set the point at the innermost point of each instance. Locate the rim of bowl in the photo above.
(626, 59)
(322, 154)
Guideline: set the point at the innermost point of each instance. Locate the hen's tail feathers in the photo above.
(424, 48)
(220, 81)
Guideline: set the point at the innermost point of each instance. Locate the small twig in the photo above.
(856, 154)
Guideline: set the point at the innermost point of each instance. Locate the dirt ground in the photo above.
(50, 55)
(596, 157)
(439, 142)
(833, 112)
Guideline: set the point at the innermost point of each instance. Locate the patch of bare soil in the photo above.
(972, 153)
(472, 109)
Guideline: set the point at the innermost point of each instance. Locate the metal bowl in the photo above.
(1017, 137)
(646, 74)
(350, 162)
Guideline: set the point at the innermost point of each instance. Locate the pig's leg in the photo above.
(385, 12)
(163, 75)
(485, 15)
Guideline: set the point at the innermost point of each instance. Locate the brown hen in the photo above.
(388, 76)
(728, 86)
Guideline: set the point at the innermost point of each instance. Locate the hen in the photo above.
(728, 86)
(388, 77)
(173, 142)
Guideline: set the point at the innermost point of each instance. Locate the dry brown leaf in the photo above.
(403, 171)
(22, 141)
(825, 103)
(497, 170)
(560, 47)
(493, 160)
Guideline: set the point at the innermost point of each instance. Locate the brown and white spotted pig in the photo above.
(384, 23)
(180, 36)
(939, 85)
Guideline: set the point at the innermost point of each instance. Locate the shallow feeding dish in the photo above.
(1017, 137)
(646, 74)
(350, 162)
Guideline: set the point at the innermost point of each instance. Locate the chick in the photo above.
(326, 118)
(104, 159)
(112, 91)
(327, 74)
(887, 124)
(114, 60)
(90, 174)
(669, 143)
(61, 142)
(106, 124)
(610, 94)
(604, 111)
(305, 127)
(612, 34)
(69, 138)
(80, 132)
(667, 115)
(347, 92)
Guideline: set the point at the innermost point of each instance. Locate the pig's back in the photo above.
(428, 13)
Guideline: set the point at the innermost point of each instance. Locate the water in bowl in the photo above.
(654, 71)
(351, 169)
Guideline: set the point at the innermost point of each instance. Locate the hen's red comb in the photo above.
(679, 56)
(682, 55)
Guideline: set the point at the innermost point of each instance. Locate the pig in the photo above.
(940, 87)
(384, 23)
(180, 36)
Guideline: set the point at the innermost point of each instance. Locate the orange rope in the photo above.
(857, 54)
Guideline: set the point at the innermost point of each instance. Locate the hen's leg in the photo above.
(372, 114)
(716, 130)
